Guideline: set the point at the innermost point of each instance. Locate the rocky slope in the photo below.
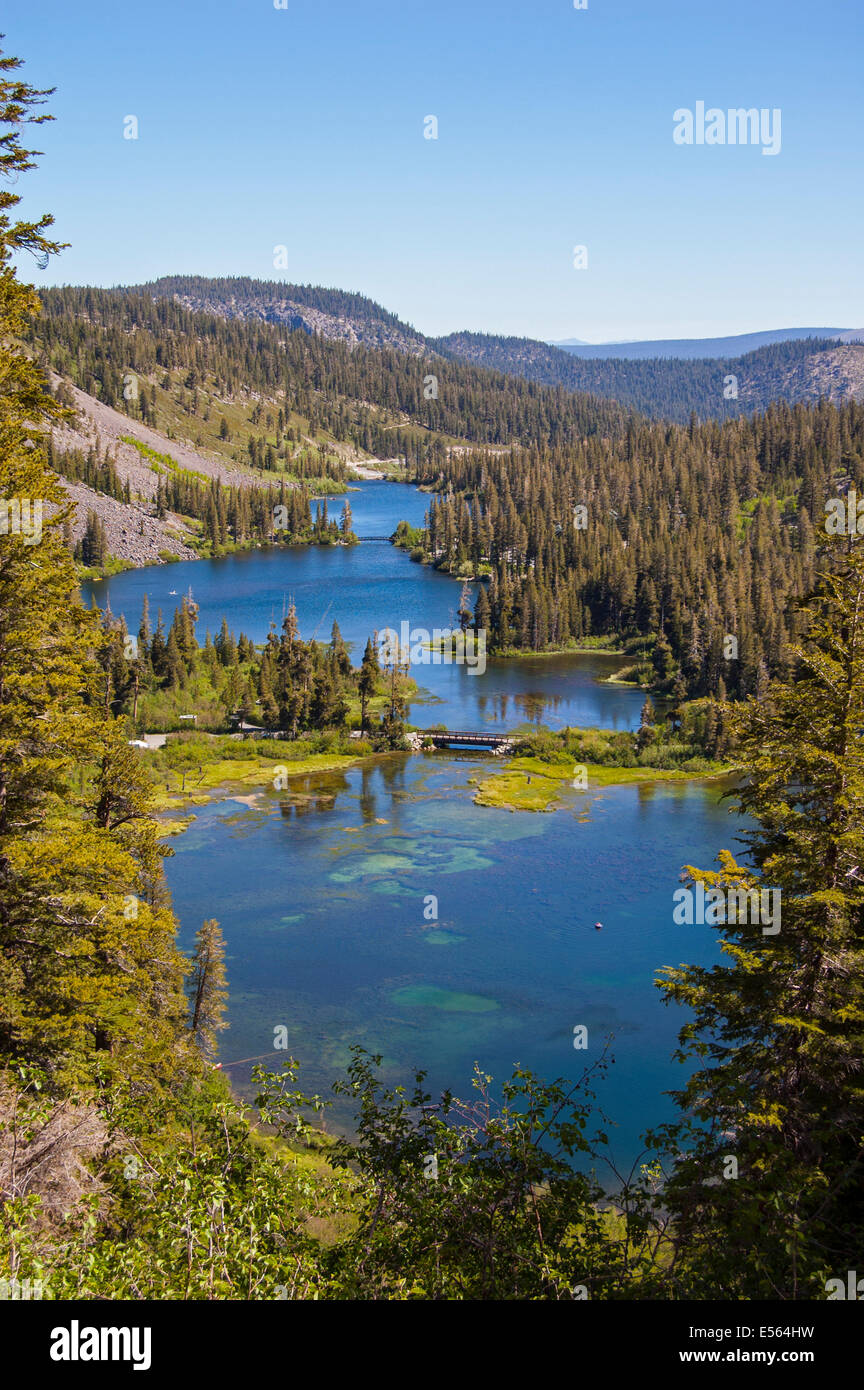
(334, 314)
(837, 374)
(101, 424)
(133, 534)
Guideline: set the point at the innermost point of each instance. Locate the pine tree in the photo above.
(464, 614)
(94, 543)
(266, 694)
(367, 680)
(339, 657)
(662, 659)
(207, 991)
(482, 611)
(90, 978)
(782, 1021)
(646, 723)
(226, 646)
(157, 647)
(144, 633)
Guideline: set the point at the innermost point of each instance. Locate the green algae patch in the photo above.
(601, 776)
(396, 862)
(372, 865)
(617, 678)
(449, 1001)
(534, 784)
(527, 785)
(282, 924)
(218, 778)
(167, 828)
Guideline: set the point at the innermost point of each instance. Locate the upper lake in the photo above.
(366, 588)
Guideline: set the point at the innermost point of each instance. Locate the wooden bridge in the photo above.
(447, 738)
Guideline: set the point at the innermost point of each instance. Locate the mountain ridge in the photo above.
(734, 345)
(792, 369)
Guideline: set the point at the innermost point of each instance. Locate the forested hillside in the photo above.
(587, 519)
(668, 388)
(684, 536)
(379, 401)
(662, 387)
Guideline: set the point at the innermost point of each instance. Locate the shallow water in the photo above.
(323, 915)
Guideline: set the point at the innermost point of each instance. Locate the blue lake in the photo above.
(365, 589)
(321, 897)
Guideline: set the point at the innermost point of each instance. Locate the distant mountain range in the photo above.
(674, 388)
(736, 346)
(666, 379)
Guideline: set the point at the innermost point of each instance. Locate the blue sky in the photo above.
(303, 127)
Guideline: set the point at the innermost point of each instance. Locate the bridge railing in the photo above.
(464, 736)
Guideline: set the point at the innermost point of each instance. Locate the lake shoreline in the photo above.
(505, 789)
(366, 588)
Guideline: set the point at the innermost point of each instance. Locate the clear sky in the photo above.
(303, 127)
